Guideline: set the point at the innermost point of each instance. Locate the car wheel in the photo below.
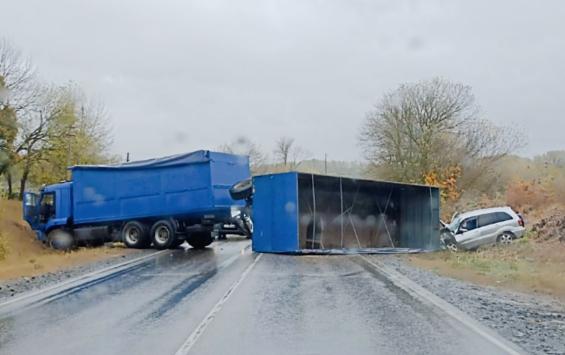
(505, 238)
(451, 246)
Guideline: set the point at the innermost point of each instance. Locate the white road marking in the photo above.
(426, 296)
(77, 281)
(193, 337)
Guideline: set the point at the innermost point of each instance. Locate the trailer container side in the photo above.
(293, 212)
(192, 184)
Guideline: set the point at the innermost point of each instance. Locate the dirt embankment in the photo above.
(21, 254)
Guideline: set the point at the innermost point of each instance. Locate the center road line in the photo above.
(193, 337)
(425, 296)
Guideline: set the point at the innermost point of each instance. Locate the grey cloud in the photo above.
(184, 75)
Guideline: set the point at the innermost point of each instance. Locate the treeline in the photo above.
(44, 127)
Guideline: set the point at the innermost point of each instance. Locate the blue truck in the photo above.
(160, 202)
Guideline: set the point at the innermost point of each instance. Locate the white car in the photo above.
(470, 230)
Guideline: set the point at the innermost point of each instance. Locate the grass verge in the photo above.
(526, 266)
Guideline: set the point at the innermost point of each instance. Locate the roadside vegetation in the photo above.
(527, 266)
(44, 127)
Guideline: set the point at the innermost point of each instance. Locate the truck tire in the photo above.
(163, 235)
(134, 235)
(177, 243)
(61, 239)
(200, 240)
(242, 190)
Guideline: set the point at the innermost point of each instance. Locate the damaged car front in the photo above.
(474, 229)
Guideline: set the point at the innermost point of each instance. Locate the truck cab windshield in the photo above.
(47, 207)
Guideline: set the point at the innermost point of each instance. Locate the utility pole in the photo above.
(127, 157)
(325, 163)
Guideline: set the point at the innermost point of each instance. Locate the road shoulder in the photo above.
(15, 287)
(536, 323)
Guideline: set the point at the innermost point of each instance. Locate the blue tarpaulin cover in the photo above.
(200, 156)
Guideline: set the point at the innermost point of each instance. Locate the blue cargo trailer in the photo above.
(159, 201)
(306, 213)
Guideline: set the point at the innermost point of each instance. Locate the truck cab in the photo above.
(48, 209)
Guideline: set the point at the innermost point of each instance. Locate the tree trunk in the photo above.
(23, 181)
(9, 181)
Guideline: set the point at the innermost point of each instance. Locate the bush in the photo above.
(528, 195)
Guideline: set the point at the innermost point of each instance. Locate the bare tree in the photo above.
(18, 92)
(18, 85)
(297, 155)
(79, 134)
(430, 126)
(244, 146)
(44, 128)
(37, 128)
(283, 149)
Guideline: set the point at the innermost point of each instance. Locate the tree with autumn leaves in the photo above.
(432, 132)
(44, 128)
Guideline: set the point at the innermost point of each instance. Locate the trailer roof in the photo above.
(356, 179)
(199, 156)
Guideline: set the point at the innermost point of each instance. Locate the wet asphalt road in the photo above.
(284, 305)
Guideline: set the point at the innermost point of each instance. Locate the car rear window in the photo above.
(503, 216)
(492, 218)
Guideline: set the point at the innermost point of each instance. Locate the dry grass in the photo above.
(21, 254)
(3, 248)
(526, 266)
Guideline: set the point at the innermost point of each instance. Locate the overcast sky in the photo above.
(183, 75)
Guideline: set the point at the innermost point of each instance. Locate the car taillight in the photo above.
(520, 221)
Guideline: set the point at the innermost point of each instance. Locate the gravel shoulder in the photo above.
(15, 287)
(536, 323)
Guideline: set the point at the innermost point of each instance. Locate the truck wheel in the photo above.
(163, 235)
(61, 239)
(134, 235)
(242, 190)
(176, 243)
(200, 240)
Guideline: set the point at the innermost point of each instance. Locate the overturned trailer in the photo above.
(300, 213)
